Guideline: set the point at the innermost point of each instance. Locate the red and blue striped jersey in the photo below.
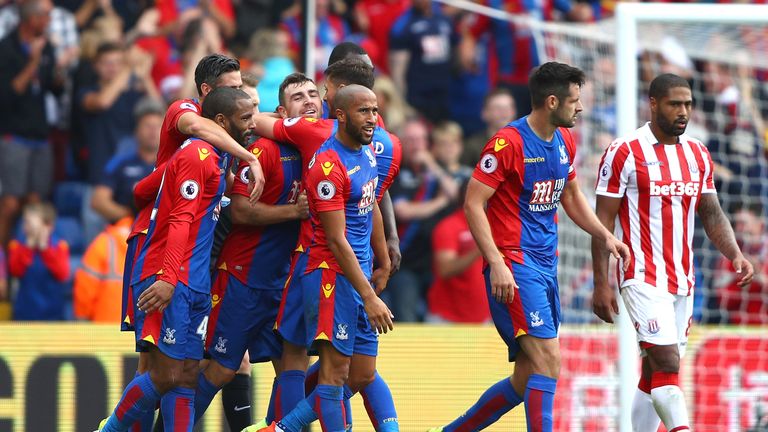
(340, 178)
(170, 141)
(180, 233)
(529, 175)
(259, 256)
(389, 154)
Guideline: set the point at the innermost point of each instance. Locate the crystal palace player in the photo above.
(170, 280)
(650, 185)
(525, 172)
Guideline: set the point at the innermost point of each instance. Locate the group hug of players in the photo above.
(313, 242)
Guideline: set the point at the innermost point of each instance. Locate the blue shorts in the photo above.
(126, 312)
(334, 312)
(242, 318)
(534, 311)
(289, 323)
(179, 330)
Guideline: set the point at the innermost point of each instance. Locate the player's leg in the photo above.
(544, 356)
(236, 397)
(277, 365)
(644, 417)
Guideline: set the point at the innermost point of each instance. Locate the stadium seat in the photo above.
(69, 229)
(68, 198)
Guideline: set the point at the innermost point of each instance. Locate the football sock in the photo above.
(644, 417)
(271, 407)
(669, 401)
(290, 391)
(204, 394)
(300, 416)
(311, 382)
(329, 407)
(236, 398)
(499, 399)
(539, 399)
(348, 393)
(144, 424)
(379, 405)
(178, 406)
(139, 397)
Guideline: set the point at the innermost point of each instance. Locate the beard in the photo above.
(357, 134)
(669, 127)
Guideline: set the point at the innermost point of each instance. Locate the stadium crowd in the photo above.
(84, 85)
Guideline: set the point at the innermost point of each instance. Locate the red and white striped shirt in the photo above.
(660, 187)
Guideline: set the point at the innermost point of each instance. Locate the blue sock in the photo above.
(299, 417)
(271, 407)
(329, 407)
(204, 394)
(379, 405)
(139, 397)
(290, 392)
(348, 393)
(178, 407)
(539, 399)
(494, 403)
(146, 421)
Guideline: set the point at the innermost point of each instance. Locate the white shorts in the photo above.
(660, 318)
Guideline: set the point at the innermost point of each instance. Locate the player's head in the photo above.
(346, 50)
(671, 102)
(217, 70)
(498, 108)
(343, 73)
(232, 109)
(357, 112)
(556, 89)
(250, 82)
(35, 15)
(148, 115)
(299, 97)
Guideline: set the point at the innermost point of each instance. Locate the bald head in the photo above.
(357, 114)
(347, 95)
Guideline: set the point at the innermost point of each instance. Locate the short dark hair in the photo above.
(553, 78)
(222, 100)
(661, 85)
(107, 47)
(250, 79)
(344, 50)
(29, 9)
(211, 67)
(296, 78)
(351, 71)
(147, 106)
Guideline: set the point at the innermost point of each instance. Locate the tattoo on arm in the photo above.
(717, 226)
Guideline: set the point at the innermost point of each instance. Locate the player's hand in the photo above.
(302, 206)
(378, 314)
(503, 284)
(618, 250)
(604, 303)
(745, 269)
(393, 248)
(257, 180)
(156, 297)
(379, 279)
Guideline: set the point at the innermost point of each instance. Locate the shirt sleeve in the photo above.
(20, 257)
(266, 154)
(614, 170)
(570, 146)
(56, 259)
(145, 191)
(499, 159)
(187, 174)
(387, 178)
(305, 135)
(709, 168)
(327, 184)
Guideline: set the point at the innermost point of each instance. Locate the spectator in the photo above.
(745, 305)
(457, 293)
(375, 18)
(217, 15)
(447, 148)
(98, 284)
(124, 78)
(41, 262)
(421, 42)
(3, 276)
(62, 30)
(498, 111)
(113, 194)
(417, 197)
(268, 52)
(27, 71)
(392, 106)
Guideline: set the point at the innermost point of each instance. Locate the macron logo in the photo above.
(675, 188)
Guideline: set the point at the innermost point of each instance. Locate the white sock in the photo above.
(670, 405)
(644, 417)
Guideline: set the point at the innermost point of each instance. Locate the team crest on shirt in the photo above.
(535, 320)
(244, 175)
(221, 345)
(326, 190)
(605, 172)
(189, 189)
(291, 121)
(371, 157)
(653, 326)
(563, 156)
(694, 167)
(170, 336)
(341, 332)
(489, 163)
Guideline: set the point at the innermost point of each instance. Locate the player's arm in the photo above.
(578, 209)
(502, 282)
(720, 233)
(258, 213)
(390, 231)
(146, 189)
(207, 130)
(334, 225)
(381, 251)
(604, 297)
(264, 125)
